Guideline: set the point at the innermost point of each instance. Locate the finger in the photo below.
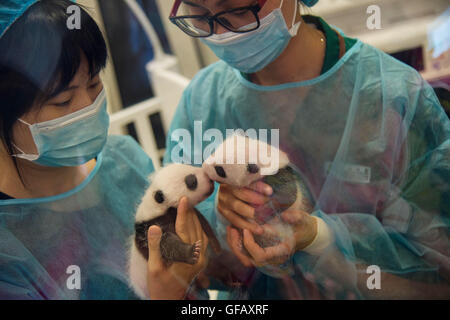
(154, 254)
(239, 222)
(191, 227)
(204, 256)
(249, 196)
(293, 216)
(241, 208)
(270, 231)
(261, 255)
(261, 187)
(230, 243)
(278, 252)
(228, 199)
(182, 223)
(197, 225)
(255, 251)
(203, 259)
(235, 242)
(205, 240)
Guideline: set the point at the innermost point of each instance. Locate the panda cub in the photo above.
(159, 207)
(289, 189)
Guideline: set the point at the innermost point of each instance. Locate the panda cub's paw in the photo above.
(159, 207)
(195, 255)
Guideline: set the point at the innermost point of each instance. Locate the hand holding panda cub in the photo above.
(159, 207)
(280, 221)
(160, 202)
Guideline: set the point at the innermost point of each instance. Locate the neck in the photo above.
(39, 181)
(302, 59)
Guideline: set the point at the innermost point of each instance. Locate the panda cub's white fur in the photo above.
(289, 190)
(234, 155)
(167, 187)
(171, 180)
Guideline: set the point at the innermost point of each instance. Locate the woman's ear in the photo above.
(289, 8)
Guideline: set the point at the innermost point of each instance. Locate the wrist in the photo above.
(168, 288)
(308, 234)
(178, 293)
(323, 237)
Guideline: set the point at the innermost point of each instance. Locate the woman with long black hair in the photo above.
(68, 191)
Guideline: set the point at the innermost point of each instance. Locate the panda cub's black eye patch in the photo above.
(191, 182)
(220, 172)
(159, 196)
(252, 168)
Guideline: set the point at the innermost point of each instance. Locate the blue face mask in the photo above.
(71, 140)
(253, 51)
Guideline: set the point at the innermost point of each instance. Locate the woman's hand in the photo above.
(171, 283)
(236, 204)
(304, 228)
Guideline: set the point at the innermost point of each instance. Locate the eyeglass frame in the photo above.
(211, 19)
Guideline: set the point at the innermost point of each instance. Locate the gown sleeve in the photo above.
(408, 239)
(89, 227)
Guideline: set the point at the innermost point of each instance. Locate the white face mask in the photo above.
(253, 51)
(70, 140)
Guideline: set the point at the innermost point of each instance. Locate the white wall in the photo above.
(183, 46)
(191, 53)
(108, 75)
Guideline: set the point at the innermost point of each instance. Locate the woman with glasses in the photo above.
(366, 132)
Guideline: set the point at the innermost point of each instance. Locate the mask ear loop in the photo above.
(24, 122)
(295, 13)
(23, 155)
(17, 155)
(294, 28)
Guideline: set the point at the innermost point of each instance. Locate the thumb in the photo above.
(181, 223)
(154, 254)
(293, 216)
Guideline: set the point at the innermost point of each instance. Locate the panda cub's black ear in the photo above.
(252, 168)
(159, 196)
(191, 182)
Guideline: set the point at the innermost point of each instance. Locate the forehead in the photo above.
(81, 76)
(83, 71)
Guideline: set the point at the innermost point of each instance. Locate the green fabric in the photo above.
(332, 39)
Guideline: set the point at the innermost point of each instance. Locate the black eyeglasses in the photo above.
(239, 20)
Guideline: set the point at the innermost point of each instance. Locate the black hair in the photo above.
(39, 57)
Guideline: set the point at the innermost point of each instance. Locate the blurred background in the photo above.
(416, 32)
